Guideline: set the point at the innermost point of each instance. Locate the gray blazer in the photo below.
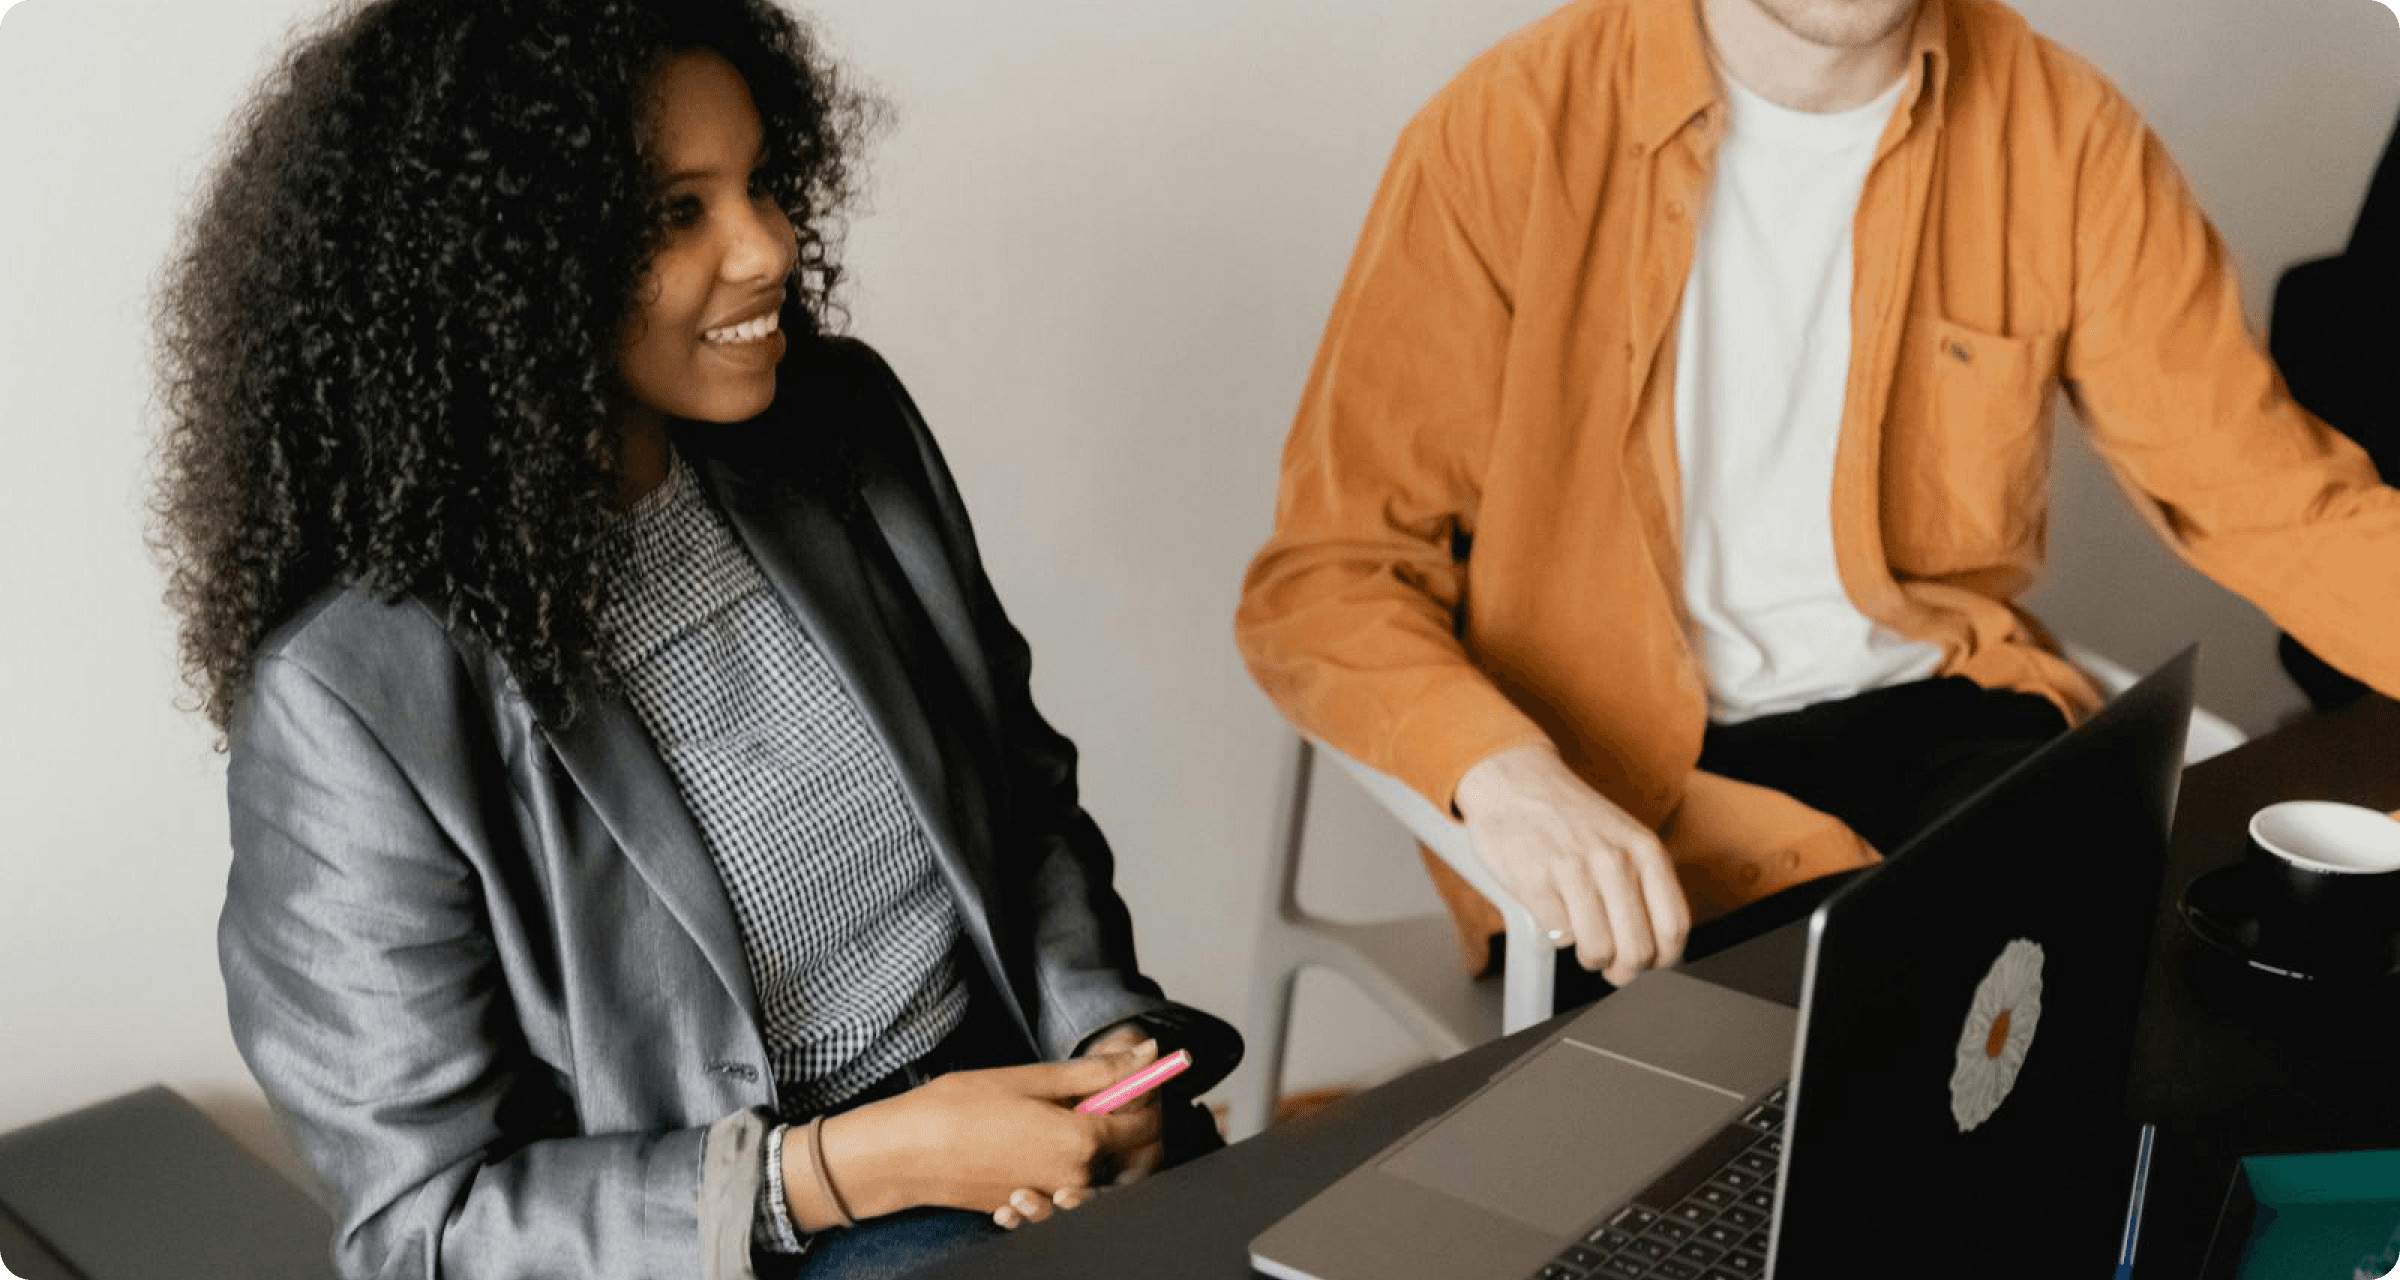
(487, 972)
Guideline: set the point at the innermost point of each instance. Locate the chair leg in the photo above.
(1276, 967)
(1527, 979)
(1270, 1027)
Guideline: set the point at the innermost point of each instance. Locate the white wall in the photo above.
(1103, 239)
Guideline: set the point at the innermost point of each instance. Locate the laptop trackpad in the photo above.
(1516, 1151)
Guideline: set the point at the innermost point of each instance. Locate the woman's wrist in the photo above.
(862, 1165)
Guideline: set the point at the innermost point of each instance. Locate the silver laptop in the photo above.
(1948, 1098)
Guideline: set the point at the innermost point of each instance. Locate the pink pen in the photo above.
(1137, 1084)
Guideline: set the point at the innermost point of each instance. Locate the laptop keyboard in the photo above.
(1704, 1219)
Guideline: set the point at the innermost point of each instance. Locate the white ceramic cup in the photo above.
(2337, 862)
(2328, 837)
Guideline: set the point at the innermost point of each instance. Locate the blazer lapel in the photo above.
(613, 762)
(814, 559)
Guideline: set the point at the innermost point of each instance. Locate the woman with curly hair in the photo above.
(647, 857)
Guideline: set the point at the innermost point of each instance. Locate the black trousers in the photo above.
(1888, 762)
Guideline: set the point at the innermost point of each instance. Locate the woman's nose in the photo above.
(764, 245)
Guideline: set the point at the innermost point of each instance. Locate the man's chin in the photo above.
(1841, 24)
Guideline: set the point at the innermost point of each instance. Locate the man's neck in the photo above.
(1769, 58)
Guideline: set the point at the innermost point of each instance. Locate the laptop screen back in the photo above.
(1968, 1019)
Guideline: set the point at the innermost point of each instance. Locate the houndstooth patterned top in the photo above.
(848, 925)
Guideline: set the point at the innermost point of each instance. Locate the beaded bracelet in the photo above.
(777, 1207)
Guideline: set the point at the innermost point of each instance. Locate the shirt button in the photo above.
(1674, 210)
(1635, 151)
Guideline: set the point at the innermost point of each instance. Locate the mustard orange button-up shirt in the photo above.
(1499, 364)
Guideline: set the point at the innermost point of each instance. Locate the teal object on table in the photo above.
(2328, 1216)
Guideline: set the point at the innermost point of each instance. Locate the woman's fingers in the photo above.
(1012, 1141)
(1076, 1077)
(1055, 1082)
(1028, 1205)
(1140, 1163)
(1136, 1124)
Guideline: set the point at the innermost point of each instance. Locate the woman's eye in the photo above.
(681, 212)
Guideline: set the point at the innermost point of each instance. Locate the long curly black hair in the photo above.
(388, 338)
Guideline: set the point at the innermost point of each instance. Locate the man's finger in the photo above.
(1595, 941)
(1670, 911)
(1628, 918)
(1520, 874)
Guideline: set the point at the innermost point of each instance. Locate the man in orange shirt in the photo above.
(1677, 448)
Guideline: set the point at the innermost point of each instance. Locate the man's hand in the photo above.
(1586, 869)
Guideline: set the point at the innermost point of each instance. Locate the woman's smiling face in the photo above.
(700, 340)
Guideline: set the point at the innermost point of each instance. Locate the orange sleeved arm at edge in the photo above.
(2189, 411)
(1348, 617)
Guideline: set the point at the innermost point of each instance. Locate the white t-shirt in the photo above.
(1763, 359)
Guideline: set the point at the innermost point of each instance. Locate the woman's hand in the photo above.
(1137, 1163)
(971, 1139)
(1028, 1205)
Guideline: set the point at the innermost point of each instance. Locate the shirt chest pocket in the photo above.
(1966, 449)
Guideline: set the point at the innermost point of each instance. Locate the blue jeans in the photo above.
(895, 1245)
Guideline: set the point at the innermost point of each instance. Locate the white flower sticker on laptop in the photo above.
(1998, 1034)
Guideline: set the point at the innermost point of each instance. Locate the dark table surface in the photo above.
(2228, 1061)
(144, 1186)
